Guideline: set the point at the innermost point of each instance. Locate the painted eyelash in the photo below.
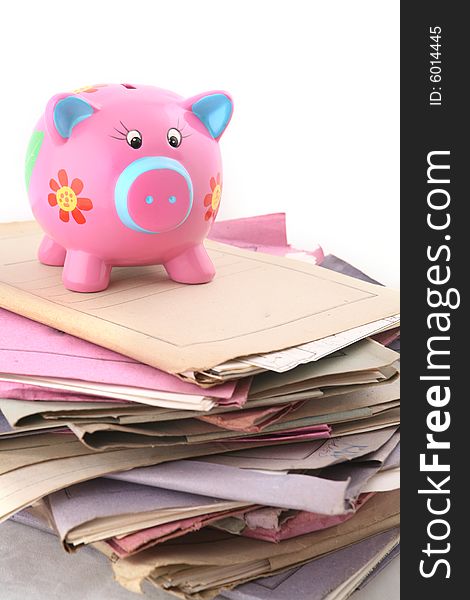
(127, 130)
(182, 128)
(120, 132)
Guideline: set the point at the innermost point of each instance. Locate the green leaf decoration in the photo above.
(34, 146)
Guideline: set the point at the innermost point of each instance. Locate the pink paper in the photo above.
(240, 394)
(267, 230)
(30, 348)
(145, 538)
(301, 523)
(262, 524)
(251, 420)
(22, 391)
(387, 337)
(265, 233)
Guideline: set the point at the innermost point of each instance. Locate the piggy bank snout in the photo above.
(154, 194)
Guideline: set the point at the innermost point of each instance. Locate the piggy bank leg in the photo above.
(51, 253)
(192, 266)
(85, 273)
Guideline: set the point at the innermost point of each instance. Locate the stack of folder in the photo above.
(204, 437)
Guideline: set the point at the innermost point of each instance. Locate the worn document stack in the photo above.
(204, 437)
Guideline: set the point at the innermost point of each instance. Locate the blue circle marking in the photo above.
(149, 199)
(172, 199)
(130, 174)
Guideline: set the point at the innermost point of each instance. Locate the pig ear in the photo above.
(64, 112)
(213, 109)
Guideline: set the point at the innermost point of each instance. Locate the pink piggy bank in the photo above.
(124, 175)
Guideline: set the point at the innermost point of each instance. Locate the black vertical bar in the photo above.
(435, 260)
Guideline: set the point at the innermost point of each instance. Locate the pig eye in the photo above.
(134, 139)
(174, 137)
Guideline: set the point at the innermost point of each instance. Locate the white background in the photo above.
(315, 131)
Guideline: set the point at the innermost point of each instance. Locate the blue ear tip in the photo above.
(214, 111)
(70, 111)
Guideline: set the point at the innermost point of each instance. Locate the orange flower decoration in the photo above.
(66, 197)
(212, 200)
(89, 89)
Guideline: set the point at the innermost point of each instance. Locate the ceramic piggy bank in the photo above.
(127, 175)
